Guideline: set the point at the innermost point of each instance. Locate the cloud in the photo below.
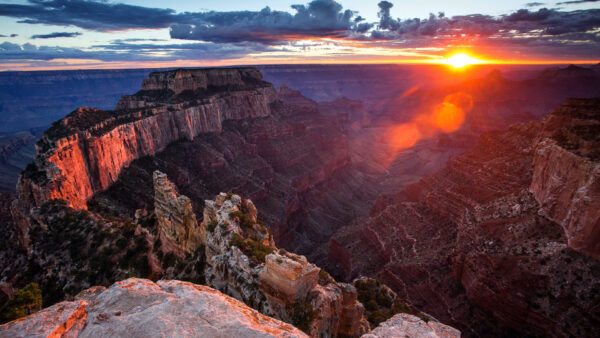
(56, 35)
(123, 51)
(92, 15)
(575, 2)
(318, 19)
(8, 36)
(549, 33)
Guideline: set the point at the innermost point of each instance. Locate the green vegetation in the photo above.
(303, 314)
(212, 225)
(255, 250)
(380, 303)
(244, 219)
(325, 278)
(25, 302)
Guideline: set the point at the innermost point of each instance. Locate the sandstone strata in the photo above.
(141, 308)
(85, 152)
(566, 177)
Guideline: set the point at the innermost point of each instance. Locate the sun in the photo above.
(460, 60)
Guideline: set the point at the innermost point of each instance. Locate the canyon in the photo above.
(492, 243)
(502, 240)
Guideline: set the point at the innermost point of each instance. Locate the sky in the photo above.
(77, 34)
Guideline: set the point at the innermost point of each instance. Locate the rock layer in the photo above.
(566, 176)
(141, 308)
(176, 219)
(472, 245)
(85, 152)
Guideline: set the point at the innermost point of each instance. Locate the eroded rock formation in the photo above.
(242, 261)
(175, 216)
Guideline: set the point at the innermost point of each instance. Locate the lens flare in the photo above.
(403, 136)
(449, 116)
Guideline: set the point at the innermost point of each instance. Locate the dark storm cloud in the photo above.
(320, 18)
(93, 15)
(534, 4)
(56, 35)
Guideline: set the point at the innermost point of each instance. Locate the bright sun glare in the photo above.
(461, 60)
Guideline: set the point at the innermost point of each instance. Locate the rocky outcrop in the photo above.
(481, 245)
(287, 277)
(566, 176)
(85, 152)
(177, 222)
(242, 261)
(141, 308)
(405, 325)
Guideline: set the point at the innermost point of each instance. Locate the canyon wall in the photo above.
(83, 154)
(499, 242)
(566, 176)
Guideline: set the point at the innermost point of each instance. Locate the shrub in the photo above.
(244, 219)
(303, 314)
(26, 301)
(251, 248)
(212, 225)
(378, 316)
(325, 278)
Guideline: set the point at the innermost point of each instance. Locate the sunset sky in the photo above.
(59, 34)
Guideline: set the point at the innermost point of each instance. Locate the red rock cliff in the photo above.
(85, 152)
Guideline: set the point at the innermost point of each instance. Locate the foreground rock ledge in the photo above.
(405, 325)
(141, 308)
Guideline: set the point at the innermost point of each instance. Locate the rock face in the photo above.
(141, 308)
(405, 325)
(294, 164)
(242, 261)
(85, 152)
(287, 276)
(498, 242)
(176, 219)
(566, 176)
